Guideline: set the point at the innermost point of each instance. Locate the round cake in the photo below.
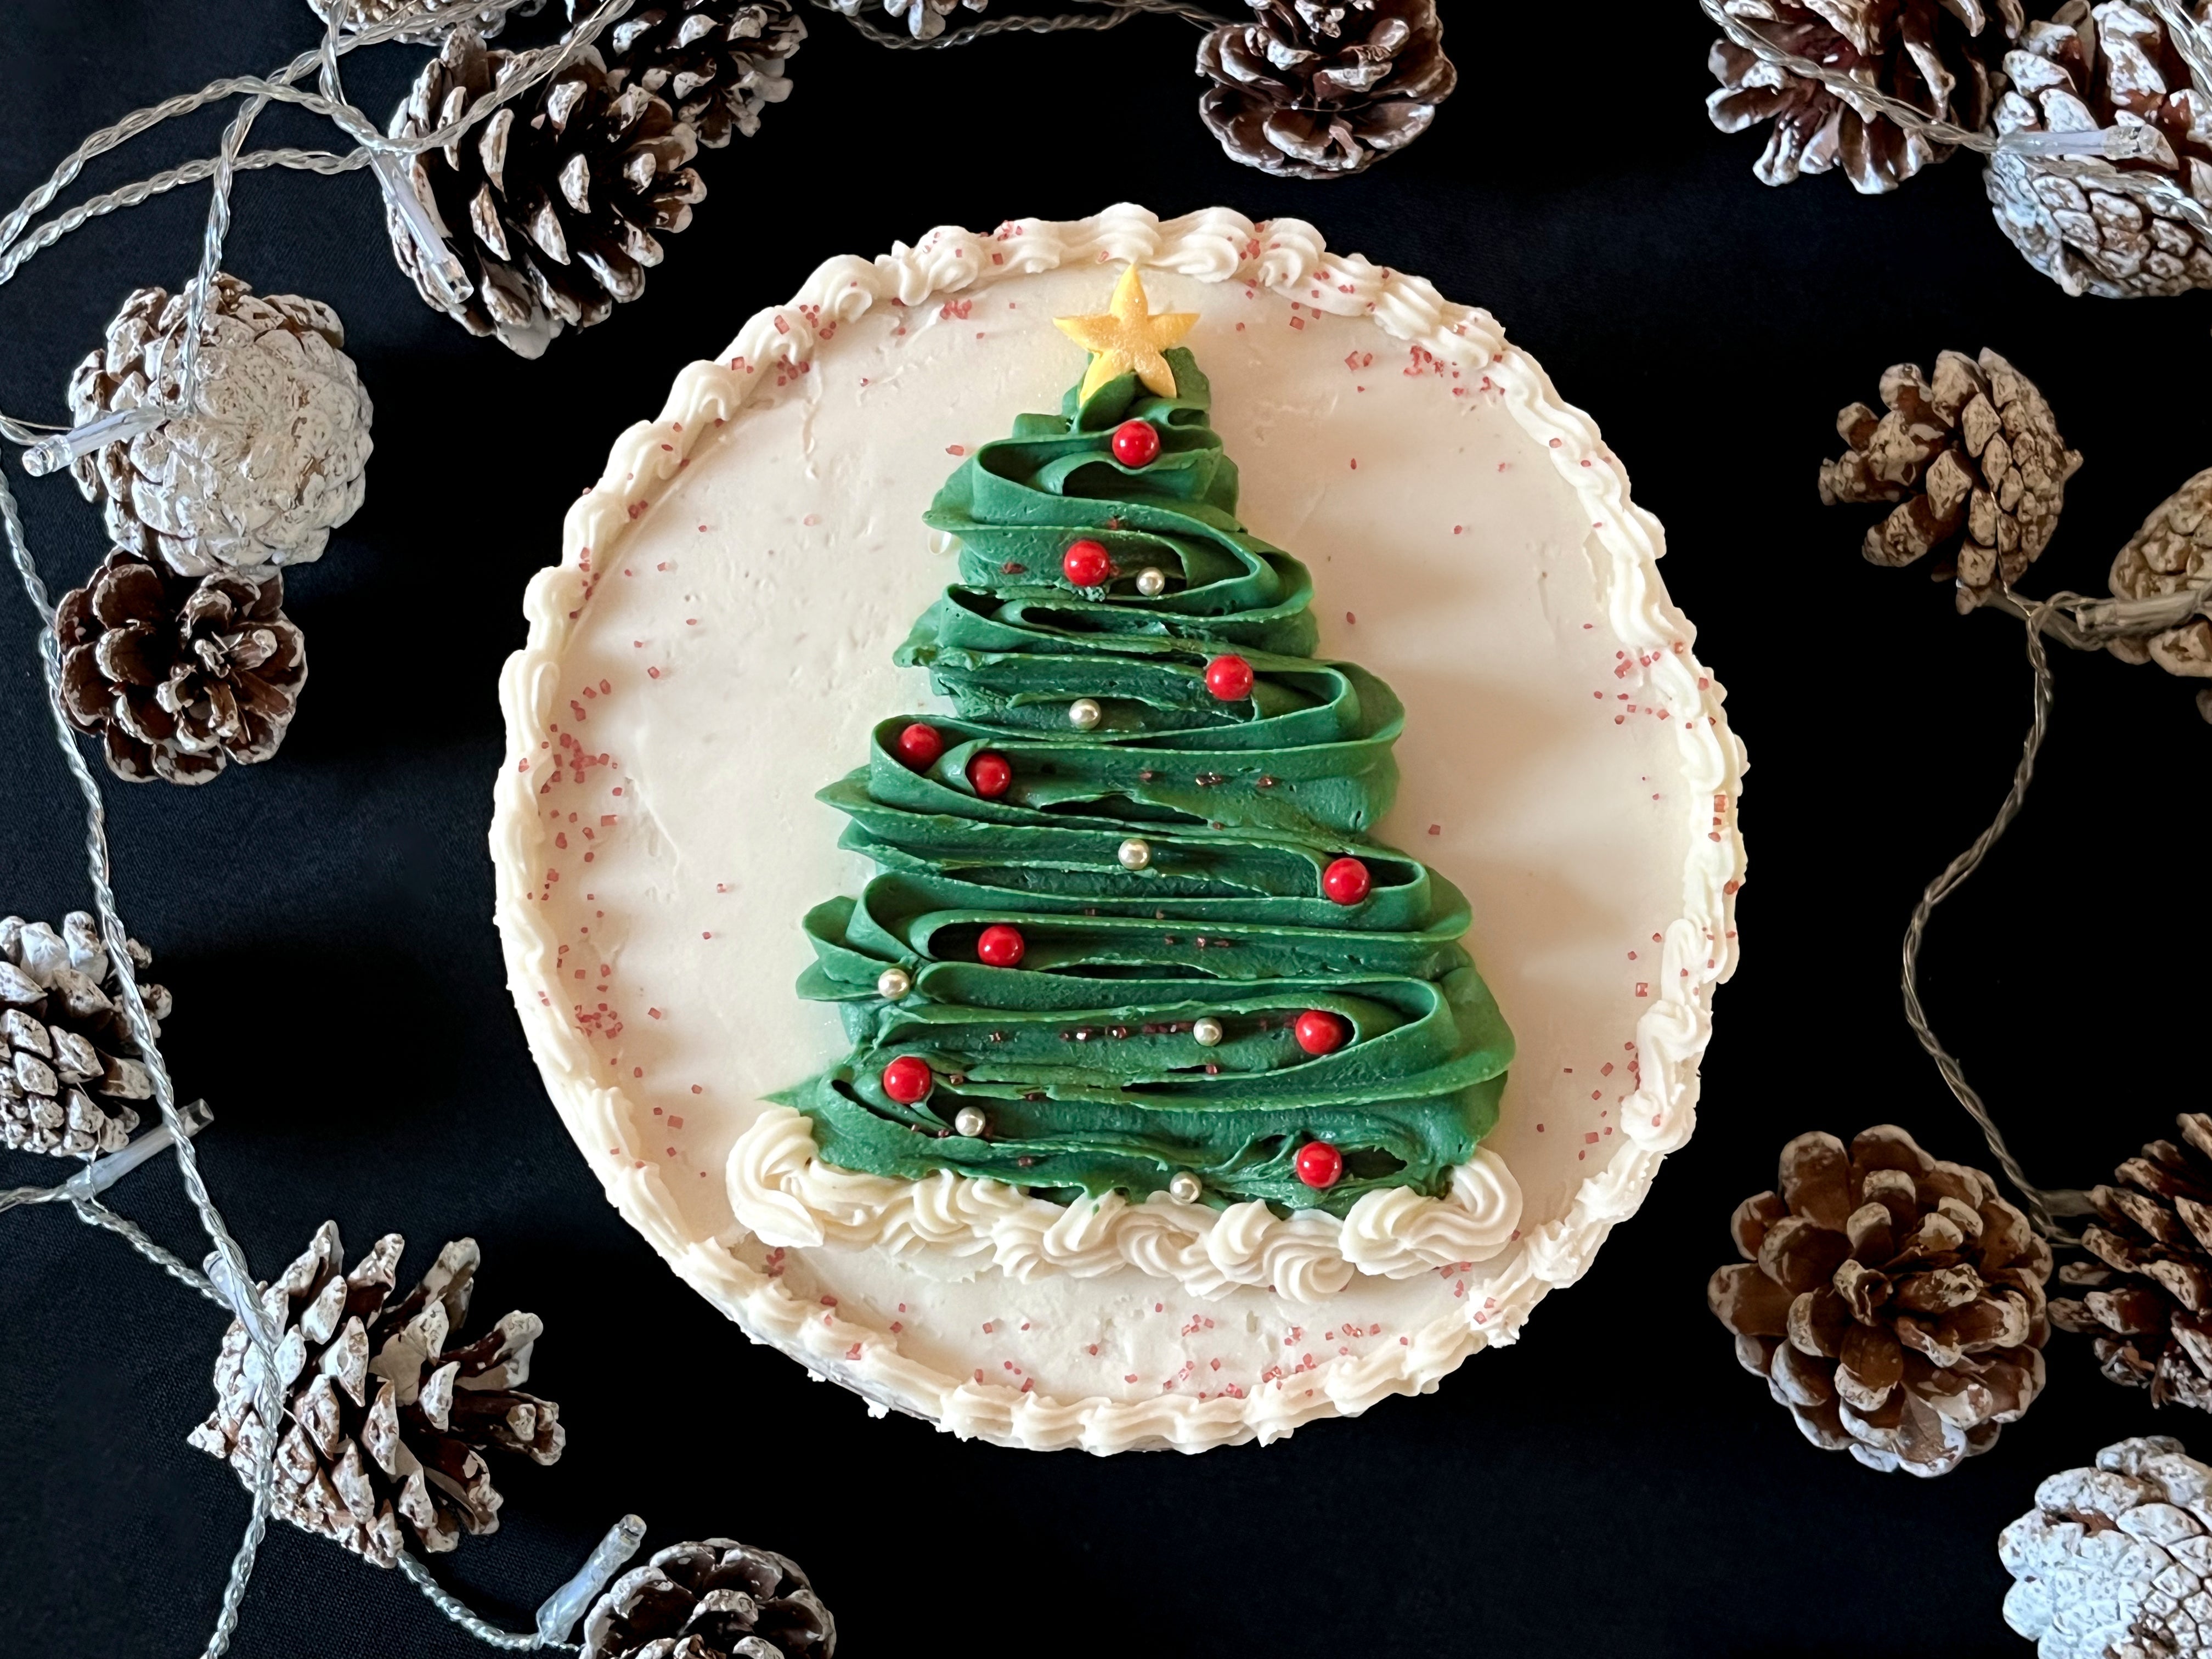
(1110, 836)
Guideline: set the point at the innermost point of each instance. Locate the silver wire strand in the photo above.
(1113, 13)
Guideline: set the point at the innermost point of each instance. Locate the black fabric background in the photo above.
(1614, 1485)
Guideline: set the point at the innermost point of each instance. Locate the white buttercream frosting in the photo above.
(787, 1195)
(821, 1262)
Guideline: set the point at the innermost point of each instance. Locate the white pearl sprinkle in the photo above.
(1187, 1187)
(1152, 581)
(1206, 1032)
(969, 1120)
(1084, 713)
(893, 983)
(1135, 854)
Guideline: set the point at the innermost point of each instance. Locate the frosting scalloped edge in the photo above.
(1698, 952)
(784, 1194)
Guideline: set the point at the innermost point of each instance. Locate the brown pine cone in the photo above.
(1973, 455)
(2149, 1301)
(717, 63)
(553, 203)
(2114, 229)
(1893, 1303)
(62, 1039)
(385, 1425)
(2172, 552)
(270, 460)
(1937, 57)
(1319, 88)
(717, 1599)
(177, 677)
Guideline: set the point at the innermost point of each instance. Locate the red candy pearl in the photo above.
(1136, 443)
(1320, 1165)
(1319, 1033)
(1087, 563)
(1000, 946)
(989, 776)
(1229, 678)
(920, 745)
(907, 1080)
(1345, 881)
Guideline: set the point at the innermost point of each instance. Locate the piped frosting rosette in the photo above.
(1138, 927)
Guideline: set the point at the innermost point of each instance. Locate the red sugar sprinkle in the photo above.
(697, 1090)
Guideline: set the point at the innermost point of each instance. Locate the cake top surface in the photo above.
(719, 638)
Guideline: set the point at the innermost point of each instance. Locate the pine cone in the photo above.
(1938, 57)
(717, 1599)
(353, 1467)
(62, 1034)
(717, 63)
(177, 677)
(1973, 455)
(2149, 1301)
(552, 204)
(2115, 1561)
(1893, 1303)
(2114, 229)
(270, 459)
(437, 16)
(924, 19)
(1319, 88)
(2172, 552)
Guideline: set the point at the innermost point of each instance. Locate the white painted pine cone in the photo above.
(2115, 1562)
(270, 459)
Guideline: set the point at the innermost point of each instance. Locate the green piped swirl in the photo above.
(1082, 1058)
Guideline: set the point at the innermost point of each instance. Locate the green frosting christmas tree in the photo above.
(1129, 931)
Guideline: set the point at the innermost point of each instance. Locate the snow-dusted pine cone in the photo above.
(270, 459)
(62, 1039)
(716, 1599)
(2115, 1562)
(2148, 1285)
(385, 1423)
(1319, 88)
(2117, 230)
(1893, 1303)
(557, 204)
(2172, 551)
(923, 19)
(177, 677)
(1971, 456)
(1937, 57)
(436, 17)
(717, 63)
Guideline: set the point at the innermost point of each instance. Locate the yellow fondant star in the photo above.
(1129, 338)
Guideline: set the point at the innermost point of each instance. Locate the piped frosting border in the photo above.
(784, 1194)
(1699, 948)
